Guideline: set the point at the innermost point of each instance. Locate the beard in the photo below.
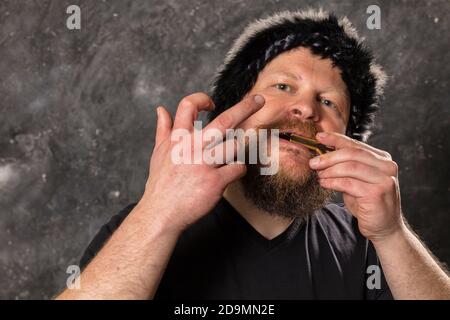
(294, 191)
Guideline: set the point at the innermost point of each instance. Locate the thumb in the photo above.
(163, 125)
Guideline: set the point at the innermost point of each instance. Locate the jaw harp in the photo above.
(307, 142)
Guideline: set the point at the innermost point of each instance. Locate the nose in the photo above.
(304, 108)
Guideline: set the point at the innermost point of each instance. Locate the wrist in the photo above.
(155, 218)
(388, 239)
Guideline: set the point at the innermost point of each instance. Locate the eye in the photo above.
(328, 103)
(283, 87)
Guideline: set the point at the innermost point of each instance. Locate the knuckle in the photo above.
(241, 169)
(348, 150)
(379, 190)
(392, 183)
(201, 94)
(356, 151)
(393, 168)
(225, 121)
(186, 103)
(387, 186)
(346, 183)
(354, 166)
(204, 97)
(387, 155)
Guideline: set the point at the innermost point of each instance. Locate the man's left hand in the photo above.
(368, 179)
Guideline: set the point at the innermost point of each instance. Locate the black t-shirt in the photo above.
(222, 256)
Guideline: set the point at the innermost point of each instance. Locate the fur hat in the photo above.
(326, 36)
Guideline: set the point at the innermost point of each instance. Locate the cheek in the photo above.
(264, 116)
(334, 127)
(332, 122)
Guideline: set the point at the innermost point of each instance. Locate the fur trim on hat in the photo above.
(327, 37)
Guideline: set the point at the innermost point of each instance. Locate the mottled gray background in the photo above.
(77, 113)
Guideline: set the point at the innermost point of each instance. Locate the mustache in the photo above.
(307, 128)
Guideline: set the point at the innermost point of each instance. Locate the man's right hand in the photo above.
(175, 196)
(179, 194)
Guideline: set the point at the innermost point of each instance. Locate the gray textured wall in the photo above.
(77, 113)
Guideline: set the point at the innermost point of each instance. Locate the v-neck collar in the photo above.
(235, 220)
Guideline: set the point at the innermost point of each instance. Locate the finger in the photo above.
(365, 156)
(353, 169)
(222, 153)
(236, 114)
(163, 125)
(350, 186)
(232, 172)
(189, 108)
(340, 141)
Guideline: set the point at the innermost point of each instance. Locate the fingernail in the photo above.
(321, 135)
(314, 162)
(157, 112)
(259, 99)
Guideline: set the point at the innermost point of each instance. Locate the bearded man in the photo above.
(224, 231)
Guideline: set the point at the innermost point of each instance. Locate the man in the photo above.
(206, 231)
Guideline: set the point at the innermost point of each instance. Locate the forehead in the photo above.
(305, 65)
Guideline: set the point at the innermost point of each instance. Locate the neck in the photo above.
(268, 225)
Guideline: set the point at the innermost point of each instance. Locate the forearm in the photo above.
(131, 263)
(410, 270)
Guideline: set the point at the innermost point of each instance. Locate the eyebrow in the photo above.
(343, 93)
(288, 74)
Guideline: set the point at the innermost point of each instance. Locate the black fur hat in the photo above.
(326, 36)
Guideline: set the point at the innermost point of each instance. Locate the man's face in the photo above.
(303, 94)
